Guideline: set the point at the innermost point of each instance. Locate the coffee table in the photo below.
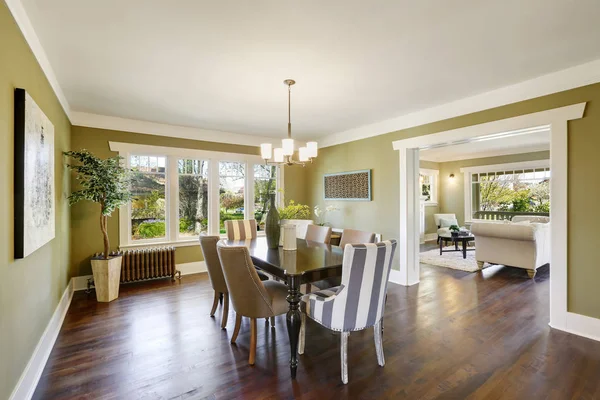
(456, 240)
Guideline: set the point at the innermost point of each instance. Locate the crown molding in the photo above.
(24, 24)
(154, 128)
(570, 78)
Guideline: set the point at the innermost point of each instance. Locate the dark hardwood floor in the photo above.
(455, 335)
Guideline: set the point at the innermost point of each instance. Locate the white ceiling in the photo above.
(220, 64)
(524, 143)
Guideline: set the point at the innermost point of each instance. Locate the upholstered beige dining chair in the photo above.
(250, 296)
(243, 229)
(215, 274)
(353, 236)
(316, 233)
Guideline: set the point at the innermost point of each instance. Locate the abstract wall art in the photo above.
(354, 185)
(34, 176)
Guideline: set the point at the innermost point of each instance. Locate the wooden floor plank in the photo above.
(455, 335)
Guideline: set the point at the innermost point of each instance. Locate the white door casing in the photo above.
(556, 119)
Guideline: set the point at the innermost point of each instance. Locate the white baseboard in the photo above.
(430, 236)
(80, 282)
(192, 267)
(581, 325)
(33, 371)
(395, 276)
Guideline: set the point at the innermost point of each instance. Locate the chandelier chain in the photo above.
(289, 110)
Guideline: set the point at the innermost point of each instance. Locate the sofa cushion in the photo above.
(448, 222)
(438, 217)
(505, 231)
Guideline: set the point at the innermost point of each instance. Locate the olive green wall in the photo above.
(451, 198)
(30, 288)
(86, 238)
(381, 214)
(295, 184)
(430, 226)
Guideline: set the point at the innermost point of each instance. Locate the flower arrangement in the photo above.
(320, 214)
(454, 228)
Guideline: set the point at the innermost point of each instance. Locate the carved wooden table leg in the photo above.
(293, 319)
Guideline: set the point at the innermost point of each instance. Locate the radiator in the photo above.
(150, 263)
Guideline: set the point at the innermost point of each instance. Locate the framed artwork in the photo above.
(354, 186)
(34, 176)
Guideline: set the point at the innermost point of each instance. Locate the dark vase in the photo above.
(454, 233)
(272, 229)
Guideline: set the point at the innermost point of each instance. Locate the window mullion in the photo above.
(249, 191)
(468, 187)
(125, 213)
(172, 215)
(213, 197)
(279, 185)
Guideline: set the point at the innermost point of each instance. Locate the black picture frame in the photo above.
(19, 174)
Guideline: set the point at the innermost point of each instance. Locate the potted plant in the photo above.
(320, 214)
(294, 214)
(106, 182)
(454, 229)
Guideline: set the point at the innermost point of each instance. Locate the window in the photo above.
(499, 194)
(428, 179)
(231, 192)
(265, 186)
(148, 207)
(180, 193)
(193, 197)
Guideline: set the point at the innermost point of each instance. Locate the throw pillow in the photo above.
(448, 222)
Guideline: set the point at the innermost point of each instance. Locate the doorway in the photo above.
(555, 120)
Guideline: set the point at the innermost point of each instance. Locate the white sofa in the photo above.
(522, 243)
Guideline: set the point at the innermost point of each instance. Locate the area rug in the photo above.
(452, 260)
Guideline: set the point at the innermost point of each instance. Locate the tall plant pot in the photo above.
(272, 230)
(107, 275)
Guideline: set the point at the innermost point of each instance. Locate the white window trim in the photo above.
(125, 150)
(468, 181)
(435, 174)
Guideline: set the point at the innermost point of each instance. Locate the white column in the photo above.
(408, 246)
(422, 221)
(558, 218)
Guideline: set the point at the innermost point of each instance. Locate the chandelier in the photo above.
(284, 155)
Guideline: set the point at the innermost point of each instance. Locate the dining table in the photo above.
(309, 262)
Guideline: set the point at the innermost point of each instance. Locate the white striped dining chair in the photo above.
(241, 229)
(358, 303)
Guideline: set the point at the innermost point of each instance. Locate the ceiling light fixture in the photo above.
(284, 155)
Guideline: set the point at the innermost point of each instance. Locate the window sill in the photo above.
(180, 243)
(431, 204)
